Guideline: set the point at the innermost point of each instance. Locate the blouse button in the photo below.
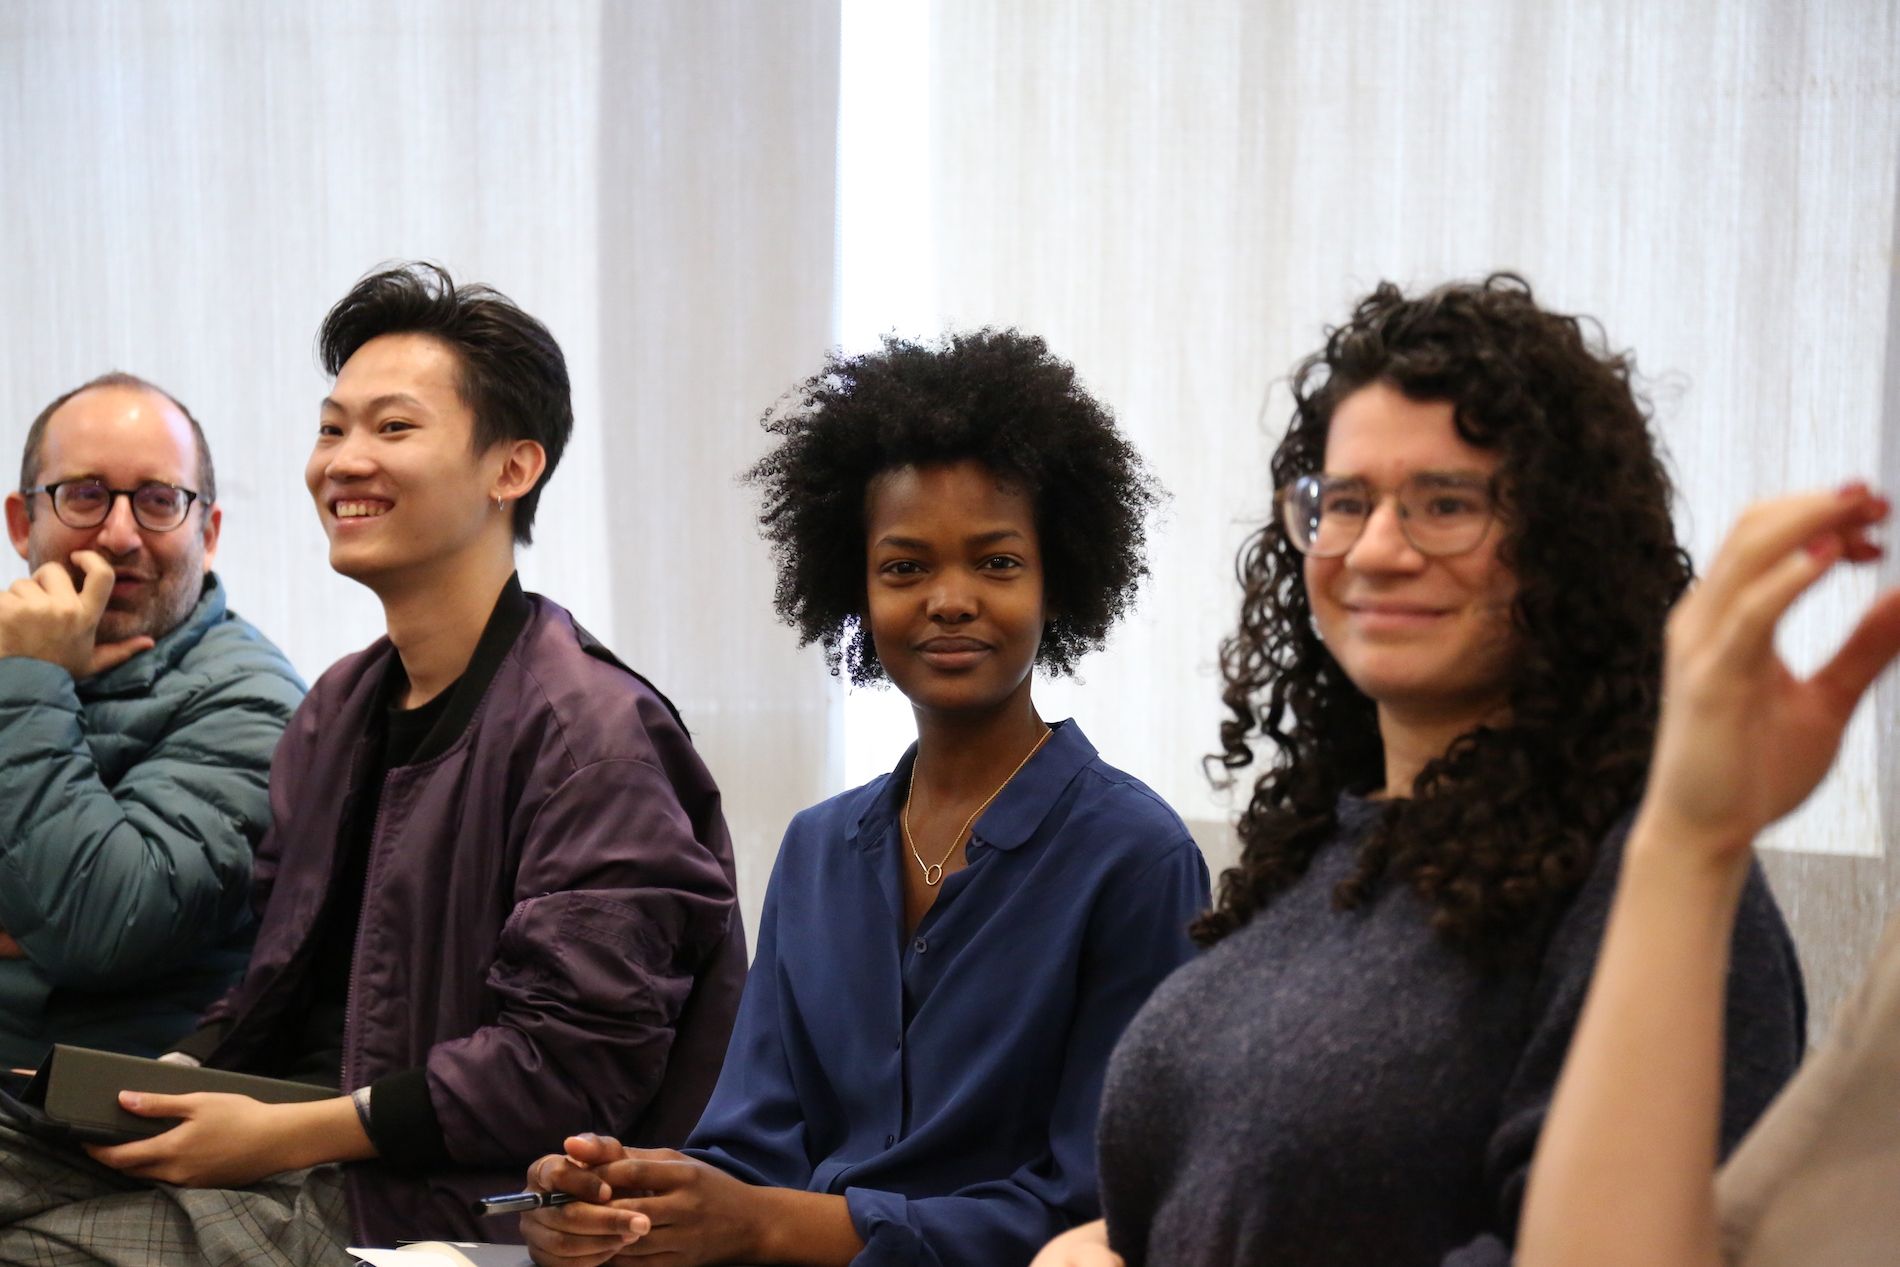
(920, 945)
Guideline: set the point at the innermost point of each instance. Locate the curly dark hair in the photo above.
(998, 397)
(1502, 828)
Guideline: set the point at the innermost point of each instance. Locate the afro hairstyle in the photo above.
(996, 397)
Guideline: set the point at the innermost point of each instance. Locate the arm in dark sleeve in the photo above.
(1765, 1023)
(402, 1123)
(754, 1125)
(1137, 936)
(619, 907)
(104, 886)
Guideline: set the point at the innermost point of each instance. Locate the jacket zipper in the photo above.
(348, 1072)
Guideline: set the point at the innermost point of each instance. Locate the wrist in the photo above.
(765, 1223)
(787, 1225)
(1697, 853)
(320, 1131)
(1683, 882)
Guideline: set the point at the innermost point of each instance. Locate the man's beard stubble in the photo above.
(171, 596)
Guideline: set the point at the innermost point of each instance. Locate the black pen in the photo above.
(519, 1202)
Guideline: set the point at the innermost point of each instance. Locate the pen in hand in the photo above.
(521, 1202)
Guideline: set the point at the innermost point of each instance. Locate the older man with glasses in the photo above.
(137, 720)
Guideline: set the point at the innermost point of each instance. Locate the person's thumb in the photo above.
(110, 655)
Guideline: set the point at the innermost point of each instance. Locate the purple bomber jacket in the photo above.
(548, 929)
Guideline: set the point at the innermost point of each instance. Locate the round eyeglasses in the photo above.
(1441, 513)
(85, 503)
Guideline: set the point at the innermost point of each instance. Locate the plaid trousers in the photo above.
(59, 1208)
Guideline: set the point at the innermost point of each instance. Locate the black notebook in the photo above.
(74, 1096)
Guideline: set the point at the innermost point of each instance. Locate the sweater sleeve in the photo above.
(105, 886)
(1765, 1021)
(1137, 936)
(619, 907)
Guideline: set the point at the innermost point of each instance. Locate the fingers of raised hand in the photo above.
(1755, 608)
(1769, 530)
(98, 586)
(110, 655)
(45, 618)
(55, 581)
(1870, 648)
(1777, 549)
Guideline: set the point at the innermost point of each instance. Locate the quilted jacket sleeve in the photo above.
(104, 885)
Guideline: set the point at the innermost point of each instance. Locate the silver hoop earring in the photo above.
(500, 505)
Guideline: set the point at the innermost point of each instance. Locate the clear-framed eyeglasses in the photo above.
(85, 503)
(1441, 513)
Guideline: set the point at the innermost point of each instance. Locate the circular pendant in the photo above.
(933, 874)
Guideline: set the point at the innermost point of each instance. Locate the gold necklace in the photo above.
(933, 871)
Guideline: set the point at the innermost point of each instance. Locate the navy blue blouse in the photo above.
(947, 1084)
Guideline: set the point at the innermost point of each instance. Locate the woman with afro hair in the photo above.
(948, 953)
(1450, 646)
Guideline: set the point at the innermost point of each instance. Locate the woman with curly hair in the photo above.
(1450, 646)
(949, 952)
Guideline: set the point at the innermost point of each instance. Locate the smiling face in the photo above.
(953, 587)
(1428, 636)
(397, 483)
(124, 436)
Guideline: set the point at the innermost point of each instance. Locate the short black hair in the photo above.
(36, 434)
(996, 397)
(513, 376)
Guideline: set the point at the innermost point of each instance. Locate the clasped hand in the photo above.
(634, 1204)
(1741, 740)
(43, 617)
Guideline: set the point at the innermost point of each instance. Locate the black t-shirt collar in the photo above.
(449, 713)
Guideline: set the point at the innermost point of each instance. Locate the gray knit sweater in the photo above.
(1339, 1087)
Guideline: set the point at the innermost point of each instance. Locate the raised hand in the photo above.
(45, 618)
(1742, 741)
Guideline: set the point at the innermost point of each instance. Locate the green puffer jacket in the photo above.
(129, 806)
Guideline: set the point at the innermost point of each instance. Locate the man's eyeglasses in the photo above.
(85, 503)
(1440, 513)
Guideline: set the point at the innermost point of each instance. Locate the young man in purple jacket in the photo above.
(496, 898)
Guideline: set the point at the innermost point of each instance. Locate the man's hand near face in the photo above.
(45, 618)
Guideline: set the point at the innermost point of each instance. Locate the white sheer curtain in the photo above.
(189, 186)
(1179, 196)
